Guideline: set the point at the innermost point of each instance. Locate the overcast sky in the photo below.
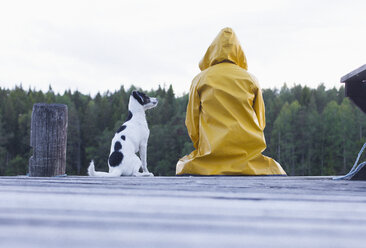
(94, 46)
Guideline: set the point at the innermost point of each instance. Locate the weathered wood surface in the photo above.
(48, 139)
(182, 212)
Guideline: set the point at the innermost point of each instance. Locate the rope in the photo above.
(355, 167)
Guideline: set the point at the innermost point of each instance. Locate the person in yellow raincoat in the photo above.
(226, 116)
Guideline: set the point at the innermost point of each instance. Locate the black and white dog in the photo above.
(129, 139)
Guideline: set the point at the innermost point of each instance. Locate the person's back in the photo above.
(225, 116)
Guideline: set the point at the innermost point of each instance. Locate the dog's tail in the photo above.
(93, 173)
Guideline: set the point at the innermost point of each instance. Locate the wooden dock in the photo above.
(182, 212)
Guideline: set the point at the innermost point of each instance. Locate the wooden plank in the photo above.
(182, 212)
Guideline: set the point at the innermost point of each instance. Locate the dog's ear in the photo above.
(138, 97)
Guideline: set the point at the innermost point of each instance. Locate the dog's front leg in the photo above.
(143, 157)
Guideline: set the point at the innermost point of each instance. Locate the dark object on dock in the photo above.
(355, 86)
(355, 82)
(48, 139)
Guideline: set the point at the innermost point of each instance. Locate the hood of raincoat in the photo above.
(225, 47)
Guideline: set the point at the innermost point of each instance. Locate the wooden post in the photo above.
(48, 139)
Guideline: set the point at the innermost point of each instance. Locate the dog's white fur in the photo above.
(136, 136)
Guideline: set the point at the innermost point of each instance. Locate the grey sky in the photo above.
(100, 45)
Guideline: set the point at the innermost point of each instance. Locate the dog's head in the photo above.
(145, 101)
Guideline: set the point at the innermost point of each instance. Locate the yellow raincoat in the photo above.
(225, 116)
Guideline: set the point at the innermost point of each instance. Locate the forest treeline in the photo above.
(309, 131)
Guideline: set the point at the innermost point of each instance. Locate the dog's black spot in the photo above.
(115, 158)
(117, 146)
(137, 96)
(146, 98)
(129, 117)
(123, 127)
(123, 137)
(141, 97)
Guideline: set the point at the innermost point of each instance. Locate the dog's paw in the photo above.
(147, 174)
